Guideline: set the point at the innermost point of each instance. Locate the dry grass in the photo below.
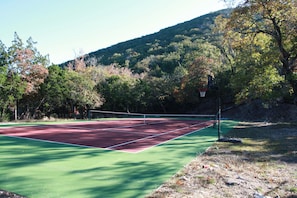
(264, 164)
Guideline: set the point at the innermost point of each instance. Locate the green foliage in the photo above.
(3, 64)
(118, 89)
(22, 71)
(249, 51)
(25, 61)
(256, 74)
(262, 47)
(161, 52)
(156, 73)
(53, 90)
(81, 92)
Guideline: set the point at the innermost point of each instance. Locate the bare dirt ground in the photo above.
(263, 165)
(5, 194)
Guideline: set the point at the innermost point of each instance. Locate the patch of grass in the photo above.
(259, 189)
(206, 180)
(180, 173)
(274, 141)
(200, 177)
(265, 162)
(210, 180)
(250, 145)
(293, 189)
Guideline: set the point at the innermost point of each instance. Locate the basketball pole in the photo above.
(219, 114)
(202, 93)
(211, 85)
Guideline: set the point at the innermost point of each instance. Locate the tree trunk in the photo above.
(294, 86)
(16, 111)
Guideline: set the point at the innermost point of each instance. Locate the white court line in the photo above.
(112, 147)
(85, 128)
(48, 126)
(48, 141)
(66, 144)
(65, 127)
(131, 126)
(128, 132)
(171, 139)
(152, 136)
(123, 127)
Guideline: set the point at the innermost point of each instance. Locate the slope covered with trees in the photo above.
(249, 53)
(164, 50)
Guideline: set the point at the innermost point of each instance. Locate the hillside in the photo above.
(157, 46)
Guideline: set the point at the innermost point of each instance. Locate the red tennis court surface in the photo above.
(125, 135)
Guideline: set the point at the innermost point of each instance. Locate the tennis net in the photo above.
(148, 118)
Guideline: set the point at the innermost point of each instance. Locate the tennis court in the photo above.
(119, 132)
(82, 159)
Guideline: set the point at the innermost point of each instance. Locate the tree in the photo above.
(28, 63)
(53, 92)
(275, 19)
(118, 89)
(194, 78)
(255, 74)
(27, 69)
(81, 93)
(5, 98)
(159, 94)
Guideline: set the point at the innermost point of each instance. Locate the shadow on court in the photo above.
(40, 169)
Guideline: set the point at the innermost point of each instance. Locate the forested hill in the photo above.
(163, 72)
(161, 48)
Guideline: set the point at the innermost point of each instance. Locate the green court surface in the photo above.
(48, 170)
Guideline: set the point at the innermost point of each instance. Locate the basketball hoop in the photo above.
(202, 92)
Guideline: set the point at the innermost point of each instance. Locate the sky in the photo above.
(64, 29)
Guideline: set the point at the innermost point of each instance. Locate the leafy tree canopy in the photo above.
(260, 37)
